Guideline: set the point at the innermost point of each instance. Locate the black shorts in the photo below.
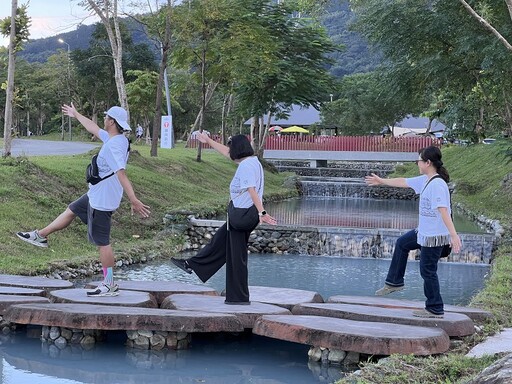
(98, 222)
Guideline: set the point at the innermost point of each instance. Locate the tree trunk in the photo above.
(10, 82)
(209, 93)
(255, 134)
(203, 101)
(116, 44)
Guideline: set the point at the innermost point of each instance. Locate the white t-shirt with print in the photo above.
(431, 229)
(113, 155)
(248, 174)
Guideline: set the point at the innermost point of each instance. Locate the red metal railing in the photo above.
(341, 143)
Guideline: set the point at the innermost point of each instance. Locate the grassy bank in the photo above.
(483, 185)
(33, 191)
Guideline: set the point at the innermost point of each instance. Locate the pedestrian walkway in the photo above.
(33, 147)
(499, 343)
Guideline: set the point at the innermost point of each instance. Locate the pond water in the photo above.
(227, 359)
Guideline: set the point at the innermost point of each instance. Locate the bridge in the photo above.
(318, 150)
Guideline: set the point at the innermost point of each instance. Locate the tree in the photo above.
(16, 27)
(108, 14)
(447, 55)
(283, 62)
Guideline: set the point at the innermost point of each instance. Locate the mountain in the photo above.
(353, 58)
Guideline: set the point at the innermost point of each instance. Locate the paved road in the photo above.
(31, 147)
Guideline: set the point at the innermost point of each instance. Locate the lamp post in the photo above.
(69, 81)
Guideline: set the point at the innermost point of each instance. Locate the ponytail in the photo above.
(434, 155)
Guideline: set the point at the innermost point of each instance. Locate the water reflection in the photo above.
(356, 213)
(212, 359)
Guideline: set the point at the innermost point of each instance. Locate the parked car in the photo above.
(488, 141)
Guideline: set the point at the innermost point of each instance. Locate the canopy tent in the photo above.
(295, 128)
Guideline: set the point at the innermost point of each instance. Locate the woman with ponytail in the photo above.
(435, 229)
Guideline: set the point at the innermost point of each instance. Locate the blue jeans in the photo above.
(429, 257)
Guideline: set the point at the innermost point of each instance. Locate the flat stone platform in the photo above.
(247, 314)
(7, 300)
(125, 298)
(454, 324)
(107, 317)
(160, 289)
(475, 314)
(21, 291)
(34, 282)
(347, 335)
(283, 297)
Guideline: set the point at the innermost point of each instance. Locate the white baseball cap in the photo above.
(120, 116)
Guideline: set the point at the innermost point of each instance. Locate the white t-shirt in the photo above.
(432, 232)
(248, 174)
(113, 155)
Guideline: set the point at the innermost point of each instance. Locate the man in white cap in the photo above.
(95, 208)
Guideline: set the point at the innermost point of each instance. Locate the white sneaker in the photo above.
(33, 238)
(105, 290)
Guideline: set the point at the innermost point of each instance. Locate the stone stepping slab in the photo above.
(247, 314)
(372, 338)
(160, 289)
(21, 291)
(454, 324)
(125, 298)
(475, 314)
(283, 297)
(7, 300)
(108, 317)
(34, 282)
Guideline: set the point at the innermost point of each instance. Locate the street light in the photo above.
(69, 81)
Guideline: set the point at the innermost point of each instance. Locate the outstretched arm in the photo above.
(222, 149)
(88, 124)
(137, 205)
(373, 180)
(455, 241)
(259, 206)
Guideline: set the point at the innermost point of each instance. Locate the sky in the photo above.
(49, 17)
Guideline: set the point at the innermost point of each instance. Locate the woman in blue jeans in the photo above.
(435, 229)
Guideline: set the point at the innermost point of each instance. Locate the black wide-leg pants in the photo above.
(229, 247)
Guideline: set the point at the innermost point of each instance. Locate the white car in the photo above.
(488, 141)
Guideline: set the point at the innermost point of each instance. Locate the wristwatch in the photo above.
(262, 213)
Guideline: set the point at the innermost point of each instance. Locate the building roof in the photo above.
(420, 123)
(297, 116)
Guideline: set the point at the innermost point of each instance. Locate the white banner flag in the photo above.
(166, 132)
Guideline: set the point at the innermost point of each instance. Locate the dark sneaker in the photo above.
(33, 238)
(182, 264)
(105, 290)
(426, 314)
(237, 302)
(387, 289)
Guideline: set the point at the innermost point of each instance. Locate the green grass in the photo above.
(421, 370)
(33, 191)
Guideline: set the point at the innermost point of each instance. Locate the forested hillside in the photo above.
(354, 57)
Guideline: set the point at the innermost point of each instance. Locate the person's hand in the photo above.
(267, 219)
(140, 208)
(456, 243)
(202, 137)
(69, 110)
(372, 180)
